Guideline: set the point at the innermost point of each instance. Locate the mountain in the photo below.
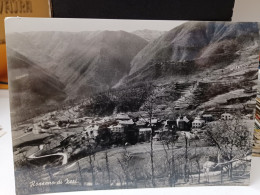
(49, 48)
(192, 63)
(191, 48)
(33, 90)
(148, 35)
(104, 61)
(86, 62)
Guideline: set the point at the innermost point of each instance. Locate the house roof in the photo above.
(207, 115)
(122, 117)
(140, 123)
(180, 119)
(113, 126)
(186, 119)
(153, 120)
(198, 121)
(128, 122)
(145, 129)
(227, 114)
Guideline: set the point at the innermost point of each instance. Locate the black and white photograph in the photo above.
(119, 104)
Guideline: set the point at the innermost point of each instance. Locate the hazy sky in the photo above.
(76, 25)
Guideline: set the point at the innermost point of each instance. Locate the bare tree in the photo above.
(108, 168)
(149, 107)
(197, 160)
(80, 174)
(186, 165)
(124, 163)
(233, 140)
(91, 160)
(169, 141)
(92, 169)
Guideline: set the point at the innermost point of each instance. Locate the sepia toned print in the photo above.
(117, 109)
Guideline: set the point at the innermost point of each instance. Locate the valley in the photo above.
(110, 109)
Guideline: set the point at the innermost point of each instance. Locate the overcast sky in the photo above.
(76, 25)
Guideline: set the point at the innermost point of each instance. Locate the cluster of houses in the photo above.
(137, 129)
(144, 127)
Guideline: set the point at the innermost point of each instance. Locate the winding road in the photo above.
(64, 155)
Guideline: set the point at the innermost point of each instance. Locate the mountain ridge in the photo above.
(88, 58)
(198, 44)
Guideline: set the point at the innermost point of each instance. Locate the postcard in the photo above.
(120, 104)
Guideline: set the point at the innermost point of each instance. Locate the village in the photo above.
(73, 135)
